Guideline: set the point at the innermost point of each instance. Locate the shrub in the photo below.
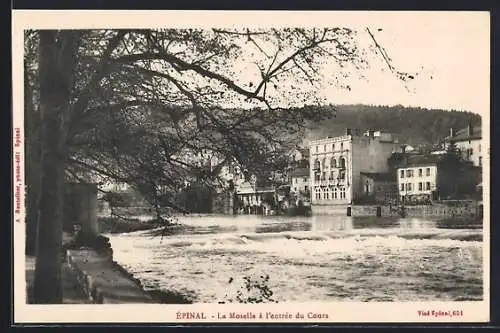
(253, 290)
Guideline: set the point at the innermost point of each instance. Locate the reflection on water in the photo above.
(309, 258)
(262, 224)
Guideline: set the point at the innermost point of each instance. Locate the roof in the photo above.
(463, 134)
(417, 160)
(304, 151)
(378, 176)
(299, 172)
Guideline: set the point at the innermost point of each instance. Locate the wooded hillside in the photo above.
(412, 125)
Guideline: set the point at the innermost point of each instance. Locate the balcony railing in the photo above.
(330, 181)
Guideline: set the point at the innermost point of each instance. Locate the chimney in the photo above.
(451, 133)
(347, 131)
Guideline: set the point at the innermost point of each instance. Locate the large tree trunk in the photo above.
(32, 151)
(56, 69)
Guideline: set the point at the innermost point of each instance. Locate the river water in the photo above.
(318, 258)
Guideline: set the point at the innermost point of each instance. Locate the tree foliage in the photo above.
(457, 178)
(147, 105)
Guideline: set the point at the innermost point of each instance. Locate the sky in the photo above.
(452, 59)
(448, 52)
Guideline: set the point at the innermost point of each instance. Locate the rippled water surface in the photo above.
(319, 258)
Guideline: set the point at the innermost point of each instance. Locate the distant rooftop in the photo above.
(416, 160)
(464, 135)
(299, 172)
(380, 135)
(304, 151)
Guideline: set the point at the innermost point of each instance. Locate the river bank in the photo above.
(115, 225)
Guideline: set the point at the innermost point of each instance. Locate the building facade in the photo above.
(378, 187)
(299, 181)
(336, 164)
(418, 178)
(252, 193)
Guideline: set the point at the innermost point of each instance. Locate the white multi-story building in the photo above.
(417, 178)
(468, 141)
(336, 165)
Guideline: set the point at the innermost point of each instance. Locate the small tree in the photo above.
(253, 290)
(457, 178)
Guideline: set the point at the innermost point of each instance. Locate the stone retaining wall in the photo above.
(434, 211)
(103, 280)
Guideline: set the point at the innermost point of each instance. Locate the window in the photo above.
(342, 163)
(480, 161)
(428, 186)
(409, 173)
(317, 193)
(335, 192)
(420, 172)
(295, 189)
(306, 188)
(402, 187)
(342, 193)
(332, 175)
(327, 194)
(324, 163)
(333, 146)
(341, 146)
(402, 175)
(420, 186)
(408, 187)
(316, 148)
(428, 171)
(479, 148)
(333, 162)
(317, 164)
(324, 148)
(304, 180)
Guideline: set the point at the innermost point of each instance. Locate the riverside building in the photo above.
(337, 164)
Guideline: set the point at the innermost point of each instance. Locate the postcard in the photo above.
(251, 166)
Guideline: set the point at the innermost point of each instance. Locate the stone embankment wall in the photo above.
(103, 280)
(434, 211)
